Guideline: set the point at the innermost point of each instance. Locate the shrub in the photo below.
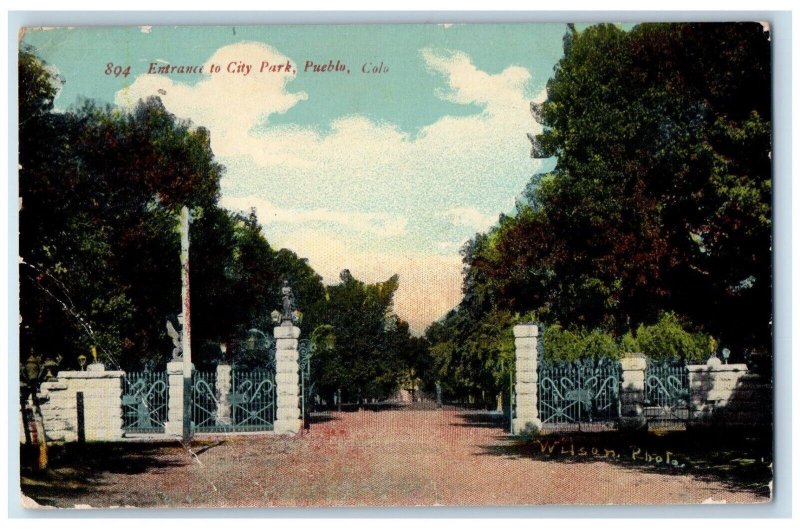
(563, 344)
(668, 339)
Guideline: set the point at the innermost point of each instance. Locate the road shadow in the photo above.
(370, 406)
(741, 460)
(482, 419)
(75, 469)
(319, 417)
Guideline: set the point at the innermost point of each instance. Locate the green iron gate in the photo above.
(144, 402)
(246, 402)
(249, 406)
(582, 394)
(250, 403)
(666, 397)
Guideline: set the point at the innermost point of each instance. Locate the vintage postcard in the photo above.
(395, 265)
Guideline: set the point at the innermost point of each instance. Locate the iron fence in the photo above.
(204, 401)
(581, 394)
(249, 405)
(145, 397)
(666, 399)
(252, 400)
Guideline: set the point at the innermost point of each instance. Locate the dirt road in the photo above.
(386, 458)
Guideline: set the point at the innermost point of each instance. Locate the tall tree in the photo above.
(660, 198)
(657, 212)
(100, 191)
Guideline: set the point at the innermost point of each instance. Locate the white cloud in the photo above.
(468, 84)
(449, 246)
(337, 194)
(381, 224)
(469, 217)
(228, 104)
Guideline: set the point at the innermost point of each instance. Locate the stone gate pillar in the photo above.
(632, 388)
(287, 379)
(224, 412)
(174, 425)
(527, 379)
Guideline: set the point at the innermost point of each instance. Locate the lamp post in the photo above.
(268, 343)
(34, 373)
(264, 335)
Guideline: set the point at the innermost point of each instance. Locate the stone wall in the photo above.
(728, 395)
(174, 424)
(102, 399)
(720, 395)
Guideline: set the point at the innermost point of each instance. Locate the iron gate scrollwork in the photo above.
(666, 398)
(245, 402)
(253, 400)
(583, 392)
(144, 402)
(205, 404)
(307, 387)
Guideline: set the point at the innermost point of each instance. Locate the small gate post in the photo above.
(175, 411)
(632, 387)
(224, 394)
(527, 421)
(287, 379)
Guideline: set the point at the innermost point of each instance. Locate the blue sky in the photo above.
(379, 173)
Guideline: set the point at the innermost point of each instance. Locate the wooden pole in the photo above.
(186, 328)
(81, 417)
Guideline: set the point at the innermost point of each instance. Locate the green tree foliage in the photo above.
(667, 339)
(365, 350)
(471, 358)
(653, 232)
(571, 344)
(660, 199)
(100, 190)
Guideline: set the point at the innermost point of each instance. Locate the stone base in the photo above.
(632, 423)
(173, 428)
(527, 427)
(288, 426)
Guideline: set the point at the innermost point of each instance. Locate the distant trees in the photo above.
(365, 350)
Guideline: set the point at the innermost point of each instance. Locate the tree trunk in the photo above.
(26, 420)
